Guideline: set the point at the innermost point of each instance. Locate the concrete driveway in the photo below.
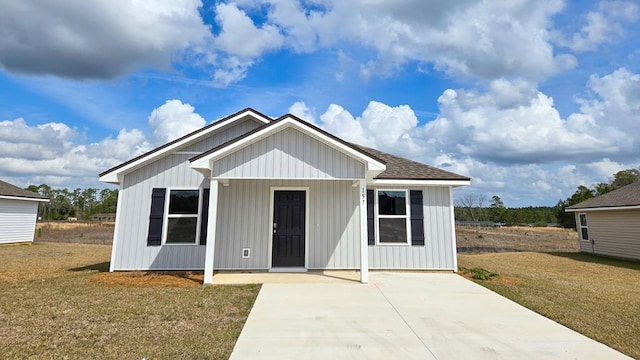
(403, 316)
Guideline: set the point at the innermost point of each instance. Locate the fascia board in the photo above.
(204, 162)
(22, 198)
(634, 207)
(114, 177)
(454, 183)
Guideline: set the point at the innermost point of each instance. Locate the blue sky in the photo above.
(529, 98)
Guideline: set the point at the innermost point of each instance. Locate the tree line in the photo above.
(77, 203)
(583, 193)
(473, 207)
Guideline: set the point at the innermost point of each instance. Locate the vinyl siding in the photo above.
(288, 154)
(437, 253)
(17, 220)
(243, 222)
(614, 233)
(229, 133)
(172, 171)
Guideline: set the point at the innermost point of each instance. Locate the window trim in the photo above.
(580, 226)
(167, 216)
(407, 217)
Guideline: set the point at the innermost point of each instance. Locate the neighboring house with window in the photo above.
(249, 192)
(18, 213)
(609, 224)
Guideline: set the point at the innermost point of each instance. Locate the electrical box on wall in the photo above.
(246, 253)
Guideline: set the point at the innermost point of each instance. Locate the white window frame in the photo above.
(407, 218)
(585, 226)
(167, 216)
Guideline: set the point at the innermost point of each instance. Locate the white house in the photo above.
(609, 224)
(252, 193)
(18, 213)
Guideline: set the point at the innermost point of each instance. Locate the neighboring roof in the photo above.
(402, 169)
(626, 196)
(8, 190)
(180, 141)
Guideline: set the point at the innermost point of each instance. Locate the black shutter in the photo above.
(417, 218)
(371, 226)
(156, 217)
(205, 217)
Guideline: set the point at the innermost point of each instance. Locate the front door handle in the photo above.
(275, 228)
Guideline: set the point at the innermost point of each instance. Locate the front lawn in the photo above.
(595, 296)
(54, 304)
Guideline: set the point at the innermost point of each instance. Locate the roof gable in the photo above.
(626, 196)
(11, 191)
(201, 162)
(115, 174)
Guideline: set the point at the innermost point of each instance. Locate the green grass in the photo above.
(595, 296)
(50, 309)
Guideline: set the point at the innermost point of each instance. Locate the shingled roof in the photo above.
(625, 196)
(7, 189)
(402, 169)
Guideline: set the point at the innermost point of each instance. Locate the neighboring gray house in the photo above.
(252, 193)
(18, 213)
(610, 224)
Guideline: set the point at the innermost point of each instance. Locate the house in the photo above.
(103, 217)
(18, 213)
(249, 192)
(609, 224)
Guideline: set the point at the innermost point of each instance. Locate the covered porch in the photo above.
(288, 197)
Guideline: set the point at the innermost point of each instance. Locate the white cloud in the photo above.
(53, 151)
(172, 120)
(603, 25)
(487, 40)
(301, 110)
(96, 39)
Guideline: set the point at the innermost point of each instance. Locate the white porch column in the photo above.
(211, 231)
(364, 242)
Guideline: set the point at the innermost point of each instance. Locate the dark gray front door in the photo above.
(288, 228)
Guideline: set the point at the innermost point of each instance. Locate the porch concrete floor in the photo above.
(311, 277)
(400, 316)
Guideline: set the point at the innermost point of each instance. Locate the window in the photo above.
(584, 231)
(182, 217)
(393, 224)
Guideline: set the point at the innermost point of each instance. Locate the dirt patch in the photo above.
(149, 279)
(515, 239)
(79, 232)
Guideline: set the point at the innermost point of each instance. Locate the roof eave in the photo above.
(113, 175)
(202, 162)
(603, 208)
(11, 197)
(421, 182)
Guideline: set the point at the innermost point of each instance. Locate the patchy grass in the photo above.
(595, 296)
(57, 302)
(515, 238)
(85, 232)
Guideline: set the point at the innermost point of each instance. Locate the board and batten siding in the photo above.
(437, 252)
(172, 171)
(614, 233)
(17, 220)
(230, 132)
(243, 222)
(288, 154)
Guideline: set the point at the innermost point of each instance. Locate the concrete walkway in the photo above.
(403, 316)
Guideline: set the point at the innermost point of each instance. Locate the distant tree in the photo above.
(624, 178)
(497, 209)
(473, 206)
